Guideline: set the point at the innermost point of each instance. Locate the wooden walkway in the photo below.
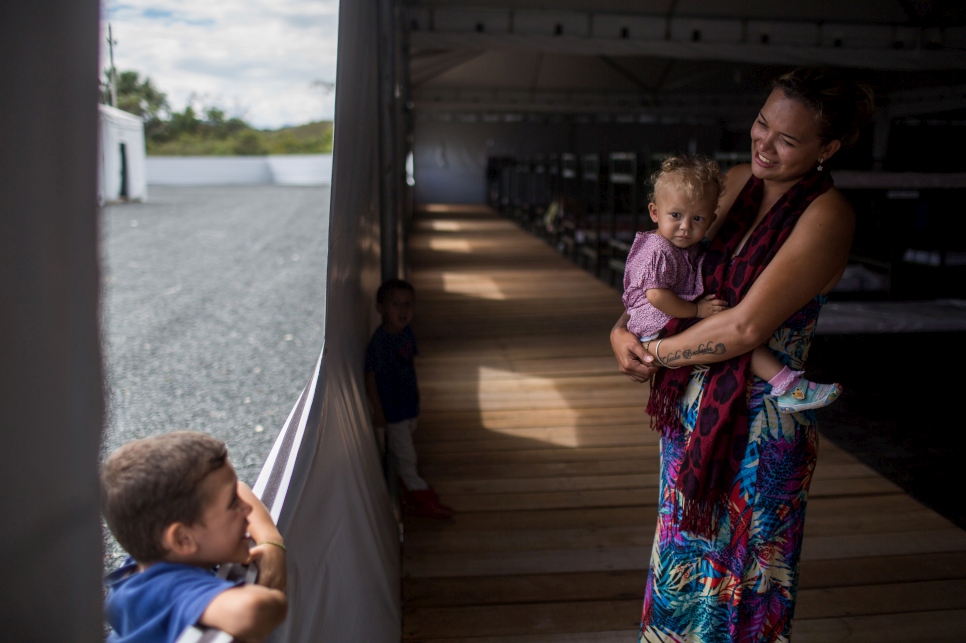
(541, 446)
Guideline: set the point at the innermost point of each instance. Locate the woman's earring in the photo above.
(820, 161)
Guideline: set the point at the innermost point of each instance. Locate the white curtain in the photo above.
(323, 480)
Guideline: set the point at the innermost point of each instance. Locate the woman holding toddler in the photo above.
(735, 470)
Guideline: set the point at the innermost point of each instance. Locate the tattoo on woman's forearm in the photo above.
(703, 349)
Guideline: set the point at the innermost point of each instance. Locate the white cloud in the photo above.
(255, 58)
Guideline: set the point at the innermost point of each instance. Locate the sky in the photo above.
(256, 59)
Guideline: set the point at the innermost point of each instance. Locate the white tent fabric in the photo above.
(323, 480)
(659, 61)
(653, 48)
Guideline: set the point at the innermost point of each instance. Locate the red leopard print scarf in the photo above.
(720, 436)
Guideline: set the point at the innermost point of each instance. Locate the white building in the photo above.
(121, 162)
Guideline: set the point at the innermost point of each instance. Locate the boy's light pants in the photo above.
(399, 443)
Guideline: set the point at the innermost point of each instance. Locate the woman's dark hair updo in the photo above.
(842, 106)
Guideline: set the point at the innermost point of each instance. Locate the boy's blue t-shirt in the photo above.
(158, 604)
(390, 357)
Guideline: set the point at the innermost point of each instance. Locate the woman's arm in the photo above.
(810, 260)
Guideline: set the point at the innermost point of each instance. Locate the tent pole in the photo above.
(388, 142)
(405, 139)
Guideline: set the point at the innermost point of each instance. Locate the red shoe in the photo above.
(425, 504)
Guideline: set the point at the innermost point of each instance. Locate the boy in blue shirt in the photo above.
(394, 392)
(175, 504)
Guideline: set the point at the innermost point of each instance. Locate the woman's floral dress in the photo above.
(739, 587)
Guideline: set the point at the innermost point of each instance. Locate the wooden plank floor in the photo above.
(543, 449)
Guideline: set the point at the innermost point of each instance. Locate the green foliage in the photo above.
(311, 138)
(209, 131)
(138, 97)
(187, 135)
(249, 143)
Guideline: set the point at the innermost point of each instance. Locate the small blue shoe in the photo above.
(808, 395)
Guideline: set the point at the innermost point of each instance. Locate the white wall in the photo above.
(301, 169)
(450, 157)
(208, 170)
(117, 127)
(290, 169)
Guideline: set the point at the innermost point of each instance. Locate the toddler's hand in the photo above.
(708, 306)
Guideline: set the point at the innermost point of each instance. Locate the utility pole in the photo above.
(110, 45)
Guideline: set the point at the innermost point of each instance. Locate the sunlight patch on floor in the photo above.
(448, 208)
(445, 226)
(450, 245)
(492, 382)
(472, 285)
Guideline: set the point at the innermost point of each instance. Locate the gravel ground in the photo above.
(213, 307)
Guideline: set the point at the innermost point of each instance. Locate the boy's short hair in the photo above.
(390, 286)
(696, 176)
(149, 484)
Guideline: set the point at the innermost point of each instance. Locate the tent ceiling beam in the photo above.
(626, 74)
(869, 45)
(728, 108)
(585, 102)
(427, 65)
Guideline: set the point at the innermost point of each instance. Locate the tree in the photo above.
(249, 144)
(183, 123)
(139, 97)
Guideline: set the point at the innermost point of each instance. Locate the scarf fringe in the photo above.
(701, 518)
(662, 407)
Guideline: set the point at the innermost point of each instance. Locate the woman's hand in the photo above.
(633, 361)
(709, 305)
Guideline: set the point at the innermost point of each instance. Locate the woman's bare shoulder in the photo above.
(833, 197)
(828, 222)
(832, 204)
